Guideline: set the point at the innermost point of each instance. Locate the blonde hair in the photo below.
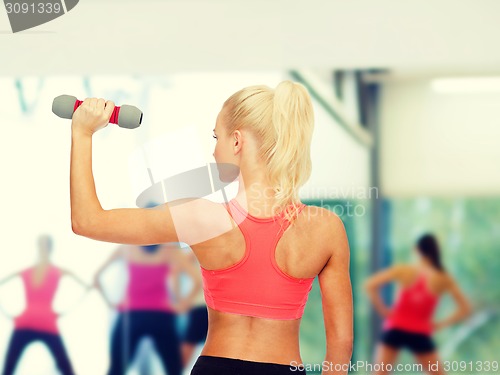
(283, 121)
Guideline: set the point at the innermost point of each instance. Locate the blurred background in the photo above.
(406, 140)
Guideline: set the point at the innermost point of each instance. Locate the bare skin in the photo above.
(230, 335)
(315, 245)
(438, 283)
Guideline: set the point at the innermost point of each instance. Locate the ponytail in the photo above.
(289, 159)
(428, 247)
(283, 121)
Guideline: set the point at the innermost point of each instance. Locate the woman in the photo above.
(409, 323)
(147, 308)
(38, 322)
(259, 253)
(197, 317)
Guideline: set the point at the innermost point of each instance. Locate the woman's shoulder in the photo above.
(200, 220)
(406, 268)
(200, 207)
(406, 272)
(321, 226)
(321, 218)
(26, 271)
(447, 279)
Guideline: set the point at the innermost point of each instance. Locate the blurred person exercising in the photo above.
(147, 309)
(409, 322)
(38, 321)
(197, 317)
(258, 253)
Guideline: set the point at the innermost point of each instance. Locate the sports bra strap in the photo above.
(226, 206)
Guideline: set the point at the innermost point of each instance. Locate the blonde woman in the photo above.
(258, 253)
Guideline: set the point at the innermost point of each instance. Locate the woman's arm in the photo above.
(464, 308)
(77, 279)
(89, 219)
(175, 284)
(373, 284)
(184, 264)
(3, 281)
(9, 277)
(134, 226)
(336, 294)
(118, 253)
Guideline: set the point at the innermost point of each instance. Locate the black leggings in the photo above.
(21, 338)
(197, 328)
(209, 365)
(132, 326)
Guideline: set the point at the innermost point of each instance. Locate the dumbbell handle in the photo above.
(126, 116)
(114, 116)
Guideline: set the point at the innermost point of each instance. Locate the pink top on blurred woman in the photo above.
(146, 288)
(38, 314)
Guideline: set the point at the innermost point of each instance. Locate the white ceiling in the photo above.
(151, 37)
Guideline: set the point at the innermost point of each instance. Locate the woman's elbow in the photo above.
(368, 287)
(467, 310)
(348, 345)
(344, 345)
(81, 227)
(76, 227)
(87, 225)
(344, 341)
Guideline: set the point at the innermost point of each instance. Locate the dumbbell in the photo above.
(126, 116)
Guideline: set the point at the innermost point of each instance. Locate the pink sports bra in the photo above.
(38, 314)
(414, 308)
(146, 289)
(256, 286)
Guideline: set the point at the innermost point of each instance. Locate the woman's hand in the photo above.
(96, 284)
(181, 306)
(436, 326)
(385, 312)
(111, 305)
(5, 314)
(93, 114)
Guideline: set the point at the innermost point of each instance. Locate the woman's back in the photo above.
(418, 297)
(273, 294)
(298, 256)
(436, 280)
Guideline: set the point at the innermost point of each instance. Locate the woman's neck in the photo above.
(43, 263)
(426, 264)
(258, 198)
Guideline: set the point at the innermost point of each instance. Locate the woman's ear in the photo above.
(237, 138)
